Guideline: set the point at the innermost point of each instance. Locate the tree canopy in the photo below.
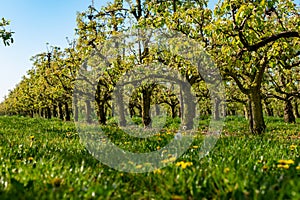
(254, 45)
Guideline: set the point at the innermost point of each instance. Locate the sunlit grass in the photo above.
(44, 159)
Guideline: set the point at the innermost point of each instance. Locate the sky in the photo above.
(36, 23)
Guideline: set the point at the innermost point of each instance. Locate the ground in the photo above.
(45, 159)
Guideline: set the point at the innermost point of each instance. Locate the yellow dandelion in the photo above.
(158, 147)
(298, 167)
(265, 167)
(289, 162)
(139, 166)
(195, 147)
(31, 137)
(178, 164)
(183, 164)
(293, 147)
(286, 162)
(284, 166)
(30, 158)
(226, 170)
(157, 171)
(172, 159)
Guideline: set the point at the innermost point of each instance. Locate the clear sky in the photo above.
(36, 22)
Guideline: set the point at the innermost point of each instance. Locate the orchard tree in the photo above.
(243, 39)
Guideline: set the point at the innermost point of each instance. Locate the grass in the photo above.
(44, 159)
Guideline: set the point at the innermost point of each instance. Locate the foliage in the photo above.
(5, 35)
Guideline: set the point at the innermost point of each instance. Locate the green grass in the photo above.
(55, 165)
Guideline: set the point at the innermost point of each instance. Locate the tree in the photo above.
(242, 37)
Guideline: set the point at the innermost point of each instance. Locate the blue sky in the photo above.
(35, 22)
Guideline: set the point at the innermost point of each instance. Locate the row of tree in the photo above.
(255, 45)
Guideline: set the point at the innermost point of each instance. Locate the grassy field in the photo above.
(44, 159)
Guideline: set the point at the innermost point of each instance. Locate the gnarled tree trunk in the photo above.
(289, 116)
(258, 124)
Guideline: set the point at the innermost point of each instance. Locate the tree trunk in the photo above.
(60, 111)
(289, 116)
(189, 107)
(67, 111)
(269, 110)
(76, 111)
(246, 113)
(48, 111)
(146, 115)
(216, 114)
(88, 112)
(54, 110)
(257, 112)
(296, 109)
(101, 112)
(120, 105)
(173, 108)
(157, 110)
(181, 104)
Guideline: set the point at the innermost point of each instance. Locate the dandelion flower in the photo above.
(139, 166)
(183, 164)
(226, 170)
(157, 171)
(293, 147)
(284, 166)
(172, 159)
(286, 162)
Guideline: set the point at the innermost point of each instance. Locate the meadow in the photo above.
(45, 159)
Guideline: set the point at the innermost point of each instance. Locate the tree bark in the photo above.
(269, 110)
(60, 111)
(246, 112)
(189, 107)
(54, 110)
(257, 112)
(296, 109)
(48, 111)
(88, 112)
(289, 116)
(157, 110)
(67, 111)
(216, 114)
(173, 108)
(120, 105)
(146, 115)
(101, 113)
(76, 111)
